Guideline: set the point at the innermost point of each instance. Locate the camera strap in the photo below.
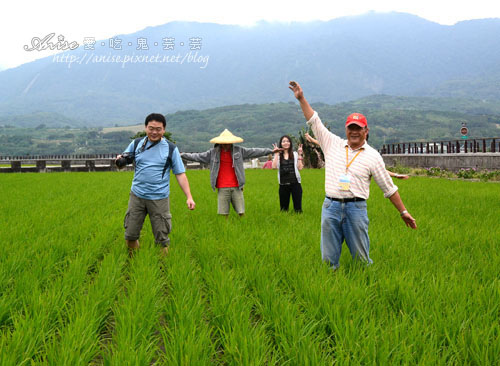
(143, 147)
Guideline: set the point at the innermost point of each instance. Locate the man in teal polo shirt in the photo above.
(151, 184)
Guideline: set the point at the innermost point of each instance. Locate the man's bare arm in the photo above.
(300, 159)
(304, 104)
(311, 139)
(396, 175)
(184, 184)
(407, 218)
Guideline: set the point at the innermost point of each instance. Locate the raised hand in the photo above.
(299, 94)
(297, 90)
(311, 139)
(276, 149)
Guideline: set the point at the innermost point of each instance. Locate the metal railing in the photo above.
(77, 163)
(59, 157)
(479, 145)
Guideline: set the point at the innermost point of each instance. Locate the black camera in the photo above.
(125, 159)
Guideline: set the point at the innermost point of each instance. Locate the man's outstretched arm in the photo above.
(304, 104)
(255, 152)
(325, 137)
(203, 157)
(184, 184)
(396, 175)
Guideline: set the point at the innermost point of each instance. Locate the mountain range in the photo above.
(335, 61)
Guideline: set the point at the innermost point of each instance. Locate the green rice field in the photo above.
(249, 291)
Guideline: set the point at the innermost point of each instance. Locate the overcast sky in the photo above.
(20, 20)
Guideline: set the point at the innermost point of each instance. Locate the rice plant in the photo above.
(250, 290)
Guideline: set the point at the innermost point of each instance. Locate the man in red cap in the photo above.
(349, 166)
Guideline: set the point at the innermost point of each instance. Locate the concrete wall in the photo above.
(453, 162)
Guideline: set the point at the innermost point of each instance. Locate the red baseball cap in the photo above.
(356, 118)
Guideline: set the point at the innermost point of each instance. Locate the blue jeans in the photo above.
(347, 221)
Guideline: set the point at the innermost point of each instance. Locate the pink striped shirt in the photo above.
(369, 163)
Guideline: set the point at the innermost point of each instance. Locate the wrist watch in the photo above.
(403, 212)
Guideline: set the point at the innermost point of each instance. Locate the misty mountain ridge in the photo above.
(340, 60)
(391, 119)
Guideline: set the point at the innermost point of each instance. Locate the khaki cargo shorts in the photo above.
(227, 196)
(159, 215)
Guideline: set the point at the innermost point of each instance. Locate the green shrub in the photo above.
(467, 173)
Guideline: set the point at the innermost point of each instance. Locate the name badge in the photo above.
(345, 182)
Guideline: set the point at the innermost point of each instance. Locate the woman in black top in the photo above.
(288, 164)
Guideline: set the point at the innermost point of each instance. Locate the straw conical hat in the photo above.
(226, 137)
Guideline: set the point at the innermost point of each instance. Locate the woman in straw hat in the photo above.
(288, 164)
(227, 173)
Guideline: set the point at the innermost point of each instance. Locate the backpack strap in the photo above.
(136, 143)
(171, 148)
(168, 163)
